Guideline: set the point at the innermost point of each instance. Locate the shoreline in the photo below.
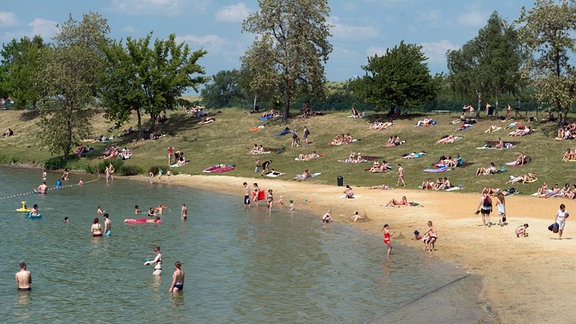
(521, 275)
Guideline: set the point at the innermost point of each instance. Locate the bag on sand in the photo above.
(554, 227)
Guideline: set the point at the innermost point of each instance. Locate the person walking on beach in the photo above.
(387, 241)
(246, 195)
(400, 176)
(177, 279)
(184, 213)
(157, 262)
(23, 278)
(561, 216)
(485, 208)
(501, 205)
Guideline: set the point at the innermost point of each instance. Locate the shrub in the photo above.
(128, 170)
(59, 162)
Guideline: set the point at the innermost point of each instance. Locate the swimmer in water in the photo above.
(96, 228)
(157, 262)
(43, 188)
(24, 278)
(177, 279)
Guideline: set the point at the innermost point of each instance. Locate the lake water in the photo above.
(242, 266)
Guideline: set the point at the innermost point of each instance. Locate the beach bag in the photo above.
(554, 227)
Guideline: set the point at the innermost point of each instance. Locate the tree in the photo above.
(148, 79)
(223, 90)
(399, 78)
(489, 64)
(290, 48)
(20, 61)
(68, 79)
(546, 32)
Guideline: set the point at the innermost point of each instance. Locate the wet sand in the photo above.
(524, 278)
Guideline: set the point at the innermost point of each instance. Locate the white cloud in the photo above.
(341, 30)
(7, 19)
(233, 13)
(128, 29)
(436, 51)
(473, 19)
(147, 7)
(211, 43)
(375, 50)
(45, 28)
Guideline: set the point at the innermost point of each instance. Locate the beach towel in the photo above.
(218, 168)
(513, 163)
(275, 174)
(437, 170)
(331, 143)
(458, 187)
(283, 132)
(300, 178)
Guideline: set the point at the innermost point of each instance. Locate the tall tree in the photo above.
(68, 78)
(489, 64)
(290, 48)
(547, 33)
(399, 78)
(148, 79)
(20, 61)
(223, 90)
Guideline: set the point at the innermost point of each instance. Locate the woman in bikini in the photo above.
(96, 228)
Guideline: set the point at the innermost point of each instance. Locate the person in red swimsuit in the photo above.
(387, 241)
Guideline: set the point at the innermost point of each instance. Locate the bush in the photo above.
(59, 162)
(128, 170)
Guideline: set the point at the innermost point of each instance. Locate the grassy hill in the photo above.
(228, 140)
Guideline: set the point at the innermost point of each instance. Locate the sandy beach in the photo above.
(525, 279)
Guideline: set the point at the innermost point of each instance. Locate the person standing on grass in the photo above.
(561, 216)
(306, 133)
(400, 176)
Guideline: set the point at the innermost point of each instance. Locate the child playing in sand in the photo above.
(521, 231)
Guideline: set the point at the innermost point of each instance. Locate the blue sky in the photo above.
(361, 28)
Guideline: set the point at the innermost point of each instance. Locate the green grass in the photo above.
(228, 140)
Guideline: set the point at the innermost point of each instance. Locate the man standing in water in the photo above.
(107, 225)
(43, 188)
(23, 278)
(177, 279)
(184, 213)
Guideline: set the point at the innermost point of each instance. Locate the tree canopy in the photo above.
(290, 48)
(223, 90)
(20, 61)
(488, 65)
(148, 79)
(547, 33)
(399, 78)
(69, 79)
